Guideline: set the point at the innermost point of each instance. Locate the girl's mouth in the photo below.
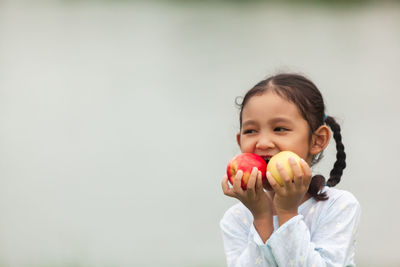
(266, 159)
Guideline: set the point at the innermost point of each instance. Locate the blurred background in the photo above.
(117, 120)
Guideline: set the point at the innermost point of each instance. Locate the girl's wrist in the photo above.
(262, 215)
(285, 215)
(264, 226)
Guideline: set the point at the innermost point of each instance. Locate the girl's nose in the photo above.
(264, 143)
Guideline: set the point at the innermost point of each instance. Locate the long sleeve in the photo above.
(322, 235)
(330, 244)
(243, 246)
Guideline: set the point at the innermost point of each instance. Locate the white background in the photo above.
(117, 121)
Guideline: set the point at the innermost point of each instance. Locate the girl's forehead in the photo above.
(270, 104)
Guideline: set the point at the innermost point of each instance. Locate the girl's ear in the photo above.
(320, 140)
(238, 138)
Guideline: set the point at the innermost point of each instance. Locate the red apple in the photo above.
(246, 162)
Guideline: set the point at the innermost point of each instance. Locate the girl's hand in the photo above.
(254, 197)
(288, 197)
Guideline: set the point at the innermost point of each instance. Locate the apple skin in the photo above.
(246, 162)
(283, 158)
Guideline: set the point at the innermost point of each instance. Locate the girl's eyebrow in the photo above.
(280, 119)
(272, 121)
(249, 122)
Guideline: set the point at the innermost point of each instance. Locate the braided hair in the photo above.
(308, 99)
(340, 164)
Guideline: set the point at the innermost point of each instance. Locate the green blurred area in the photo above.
(316, 2)
(338, 4)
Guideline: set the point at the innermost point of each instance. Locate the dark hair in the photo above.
(308, 99)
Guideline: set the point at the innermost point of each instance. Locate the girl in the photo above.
(305, 222)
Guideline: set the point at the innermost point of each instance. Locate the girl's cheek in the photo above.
(246, 148)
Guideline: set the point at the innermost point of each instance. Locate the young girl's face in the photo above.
(271, 124)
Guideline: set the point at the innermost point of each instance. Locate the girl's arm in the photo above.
(243, 246)
(292, 244)
(332, 243)
(332, 240)
(255, 199)
(245, 242)
(288, 197)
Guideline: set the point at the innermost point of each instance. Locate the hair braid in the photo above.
(316, 186)
(340, 163)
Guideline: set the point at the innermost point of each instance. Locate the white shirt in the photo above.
(323, 234)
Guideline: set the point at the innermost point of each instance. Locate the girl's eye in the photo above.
(249, 131)
(281, 129)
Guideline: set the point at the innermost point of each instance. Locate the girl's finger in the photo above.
(297, 172)
(287, 182)
(225, 187)
(251, 182)
(273, 183)
(237, 182)
(307, 172)
(259, 183)
(252, 179)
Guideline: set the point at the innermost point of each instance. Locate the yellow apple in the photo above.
(283, 158)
